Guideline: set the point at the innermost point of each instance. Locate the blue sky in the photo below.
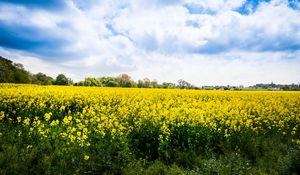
(207, 42)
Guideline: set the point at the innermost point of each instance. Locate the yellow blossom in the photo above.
(86, 157)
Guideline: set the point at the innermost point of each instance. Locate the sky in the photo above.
(205, 42)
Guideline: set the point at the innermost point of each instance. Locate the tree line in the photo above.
(11, 72)
(273, 86)
(124, 80)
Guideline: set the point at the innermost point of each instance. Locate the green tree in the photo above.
(166, 85)
(13, 72)
(61, 79)
(42, 79)
(109, 81)
(90, 81)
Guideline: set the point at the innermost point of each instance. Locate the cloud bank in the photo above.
(210, 42)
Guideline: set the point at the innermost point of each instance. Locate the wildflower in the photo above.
(86, 157)
(47, 116)
(2, 115)
(26, 121)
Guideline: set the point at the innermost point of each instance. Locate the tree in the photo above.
(6, 71)
(109, 81)
(13, 72)
(70, 81)
(166, 85)
(182, 84)
(154, 84)
(147, 82)
(140, 84)
(90, 81)
(42, 79)
(80, 83)
(61, 79)
(125, 80)
(22, 76)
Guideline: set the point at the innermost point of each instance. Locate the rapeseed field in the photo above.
(77, 130)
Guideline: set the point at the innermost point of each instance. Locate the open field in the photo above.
(77, 130)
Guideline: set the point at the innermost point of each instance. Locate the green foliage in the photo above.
(144, 141)
(166, 85)
(160, 168)
(54, 156)
(61, 79)
(41, 79)
(143, 154)
(90, 81)
(13, 73)
(272, 86)
(231, 164)
(109, 81)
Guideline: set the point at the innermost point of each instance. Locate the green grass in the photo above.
(270, 154)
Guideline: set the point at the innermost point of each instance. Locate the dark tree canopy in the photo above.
(13, 72)
(42, 79)
(109, 81)
(61, 79)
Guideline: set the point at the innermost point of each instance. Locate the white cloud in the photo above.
(234, 68)
(163, 40)
(215, 5)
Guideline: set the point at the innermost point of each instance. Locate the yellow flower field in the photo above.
(148, 119)
(83, 110)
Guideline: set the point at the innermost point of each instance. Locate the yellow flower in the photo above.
(47, 116)
(54, 122)
(86, 157)
(66, 120)
(85, 130)
(19, 119)
(72, 138)
(2, 115)
(118, 112)
(26, 122)
(20, 133)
